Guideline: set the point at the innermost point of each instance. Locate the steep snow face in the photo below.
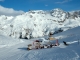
(37, 23)
(4, 19)
(74, 14)
(59, 13)
(4, 24)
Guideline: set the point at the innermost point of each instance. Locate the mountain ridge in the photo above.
(37, 23)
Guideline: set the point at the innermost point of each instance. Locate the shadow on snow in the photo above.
(23, 48)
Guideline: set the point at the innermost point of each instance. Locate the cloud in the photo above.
(46, 5)
(9, 11)
(1, 0)
(65, 1)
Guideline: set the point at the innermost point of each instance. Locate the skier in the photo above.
(57, 43)
(36, 44)
(65, 43)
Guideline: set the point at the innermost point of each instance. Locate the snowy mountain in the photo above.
(38, 23)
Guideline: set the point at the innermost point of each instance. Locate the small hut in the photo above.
(52, 38)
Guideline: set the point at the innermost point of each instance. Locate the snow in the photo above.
(36, 25)
(17, 49)
(8, 41)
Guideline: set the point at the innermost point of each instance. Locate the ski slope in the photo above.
(16, 49)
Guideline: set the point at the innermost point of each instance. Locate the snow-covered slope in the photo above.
(37, 23)
(75, 32)
(61, 52)
(8, 41)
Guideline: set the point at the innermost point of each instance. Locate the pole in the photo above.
(78, 41)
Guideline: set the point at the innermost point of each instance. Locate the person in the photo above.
(29, 47)
(36, 44)
(50, 34)
(57, 42)
(65, 43)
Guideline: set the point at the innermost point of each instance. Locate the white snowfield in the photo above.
(17, 49)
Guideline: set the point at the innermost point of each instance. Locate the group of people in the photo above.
(37, 44)
(40, 45)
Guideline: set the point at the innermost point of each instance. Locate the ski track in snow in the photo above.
(77, 56)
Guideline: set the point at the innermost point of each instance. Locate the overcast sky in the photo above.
(16, 7)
